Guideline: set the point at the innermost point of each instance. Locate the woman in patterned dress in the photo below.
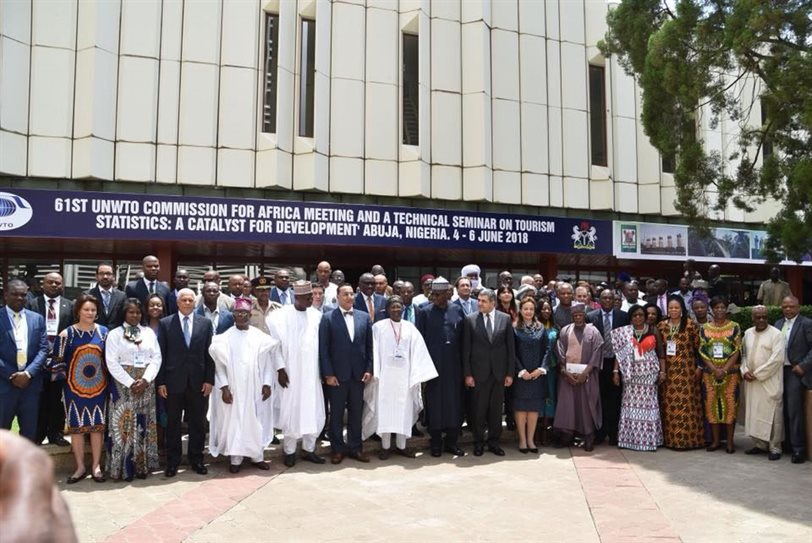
(133, 359)
(640, 359)
(680, 394)
(548, 412)
(81, 346)
(720, 349)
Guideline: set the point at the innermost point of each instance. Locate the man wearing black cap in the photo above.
(262, 306)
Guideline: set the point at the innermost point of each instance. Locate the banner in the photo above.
(95, 215)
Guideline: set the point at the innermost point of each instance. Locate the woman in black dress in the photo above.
(530, 386)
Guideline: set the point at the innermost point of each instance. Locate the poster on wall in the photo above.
(663, 239)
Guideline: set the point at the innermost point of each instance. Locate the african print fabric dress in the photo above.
(640, 427)
(681, 393)
(552, 376)
(86, 383)
(716, 345)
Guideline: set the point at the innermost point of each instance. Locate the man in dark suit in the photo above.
(221, 319)
(185, 380)
(181, 281)
(345, 359)
(58, 313)
(111, 300)
(659, 298)
(23, 350)
(369, 301)
(282, 293)
(606, 319)
(142, 288)
(797, 331)
(489, 362)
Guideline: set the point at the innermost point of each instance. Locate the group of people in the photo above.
(560, 362)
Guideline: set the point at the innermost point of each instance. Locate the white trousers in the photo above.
(400, 441)
(237, 460)
(308, 443)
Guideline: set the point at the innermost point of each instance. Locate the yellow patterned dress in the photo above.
(716, 345)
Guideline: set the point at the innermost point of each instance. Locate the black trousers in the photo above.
(488, 397)
(794, 429)
(451, 436)
(195, 405)
(51, 420)
(610, 401)
(348, 395)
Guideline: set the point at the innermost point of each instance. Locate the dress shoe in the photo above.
(797, 458)
(98, 476)
(774, 456)
(455, 450)
(336, 458)
(234, 468)
(75, 479)
(290, 460)
(361, 456)
(171, 471)
(311, 456)
(711, 448)
(59, 441)
(383, 454)
(436, 453)
(524, 450)
(200, 469)
(730, 450)
(264, 466)
(478, 450)
(497, 450)
(407, 452)
(754, 450)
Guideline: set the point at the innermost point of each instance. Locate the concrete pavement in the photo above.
(561, 494)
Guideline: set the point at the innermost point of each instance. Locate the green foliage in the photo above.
(722, 57)
(745, 316)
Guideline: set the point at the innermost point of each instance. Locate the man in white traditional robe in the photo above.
(296, 359)
(762, 370)
(401, 362)
(241, 420)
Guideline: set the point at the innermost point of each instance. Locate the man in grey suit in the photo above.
(489, 362)
(797, 331)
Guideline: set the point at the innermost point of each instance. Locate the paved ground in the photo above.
(560, 494)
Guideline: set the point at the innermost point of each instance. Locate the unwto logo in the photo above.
(14, 211)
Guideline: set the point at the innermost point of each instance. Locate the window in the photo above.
(597, 115)
(669, 163)
(307, 73)
(411, 97)
(271, 62)
(767, 144)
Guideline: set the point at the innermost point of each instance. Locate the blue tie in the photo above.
(186, 335)
(283, 297)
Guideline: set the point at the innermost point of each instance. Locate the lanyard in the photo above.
(397, 334)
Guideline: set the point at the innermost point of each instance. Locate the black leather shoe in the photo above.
(754, 450)
(456, 451)
(171, 471)
(436, 453)
(313, 457)
(59, 441)
(798, 458)
(478, 450)
(200, 469)
(497, 450)
(234, 468)
(290, 460)
(774, 456)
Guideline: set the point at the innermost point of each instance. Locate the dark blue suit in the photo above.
(23, 403)
(138, 289)
(378, 301)
(275, 296)
(346, 360)
(225, 322)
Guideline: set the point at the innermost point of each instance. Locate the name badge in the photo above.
(718, 350)
(139, 360)
(671, 348)
(51, 327)
(398, 354)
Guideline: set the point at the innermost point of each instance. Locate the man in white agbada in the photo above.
(241, 420)
(401, 362)
(296, 359)
(762, 370)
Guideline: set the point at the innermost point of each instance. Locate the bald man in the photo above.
(143, 288)
(323, 271)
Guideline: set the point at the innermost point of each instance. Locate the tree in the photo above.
(721, 57)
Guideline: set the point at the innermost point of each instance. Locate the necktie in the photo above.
(607, 336)
(20, 354)
(488, 326)
(51, 315)
(152, 287)
(348, 313)
(186, 334)
(283, 297)
(409, 313)
(106, 300)
(370, 309)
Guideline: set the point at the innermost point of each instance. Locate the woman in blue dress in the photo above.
(532, 359)
(81, 347)
(545, 316)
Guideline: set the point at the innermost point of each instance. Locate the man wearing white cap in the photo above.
(301, 411)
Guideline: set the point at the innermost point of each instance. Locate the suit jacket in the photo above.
(378, 301)
(275, 295)
(473, 305)
(171, 303)
(183, 366)
(619, 318)
(338, 355)
(37, 347)
(65, 312)
(225, 322)
(481, 357)
(138, 289)
(113, 317)
(799, 346)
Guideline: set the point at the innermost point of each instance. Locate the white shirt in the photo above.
(492, 316)
(349, 320)
(214, 316)
(52, 325)
(20, 331)
(147, 282)
(788, 323)
(122, 355)
(330, 293)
